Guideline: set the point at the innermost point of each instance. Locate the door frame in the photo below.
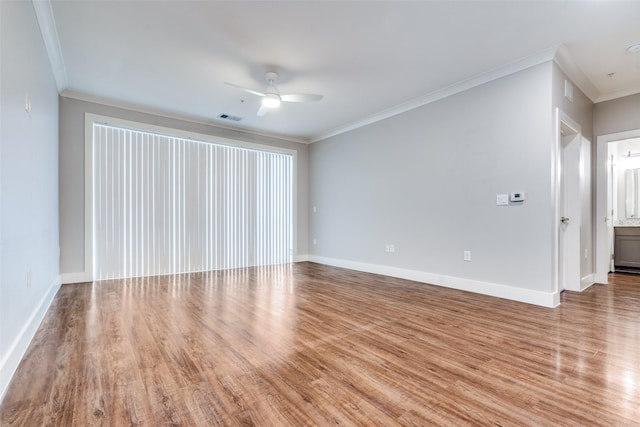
(603, 223)
(562, 120)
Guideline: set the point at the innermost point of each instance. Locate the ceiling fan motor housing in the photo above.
(271, 76)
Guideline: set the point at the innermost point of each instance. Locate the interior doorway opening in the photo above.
(617, 194)
(573, 219)
(568, 215)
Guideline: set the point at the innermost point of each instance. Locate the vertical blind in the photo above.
(165, 205)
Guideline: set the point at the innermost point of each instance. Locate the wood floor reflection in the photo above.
(307, 344)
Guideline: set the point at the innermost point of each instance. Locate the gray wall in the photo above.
(72, 126)
(426, 181)
(617, 115)
(29, 184)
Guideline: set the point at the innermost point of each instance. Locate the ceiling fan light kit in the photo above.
(271, 98)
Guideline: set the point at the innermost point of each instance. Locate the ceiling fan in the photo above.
(271, 97)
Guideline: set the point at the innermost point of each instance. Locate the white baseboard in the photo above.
(301, 258)
(80, 277)
(587, 281)
(601, 277)
(545, 299)
(18, 347)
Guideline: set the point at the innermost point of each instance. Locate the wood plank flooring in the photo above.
(306, 344)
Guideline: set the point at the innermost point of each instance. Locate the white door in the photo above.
(569, 210)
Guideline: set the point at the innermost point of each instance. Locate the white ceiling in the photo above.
(369, 59)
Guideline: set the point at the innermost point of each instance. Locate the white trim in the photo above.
(556, 158)
(555, 201)
(18, 347)
(72, 94)
(514, 67)
(634, 90)
(302, 258)
(545, 299)
(47, 24)
(603, 257)
(587, 281)
(80, 277)
(88, 195)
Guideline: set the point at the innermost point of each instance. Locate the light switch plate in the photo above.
(502, 200)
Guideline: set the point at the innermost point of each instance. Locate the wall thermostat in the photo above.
(518, 196)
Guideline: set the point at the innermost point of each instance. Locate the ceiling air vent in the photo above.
(229, 117)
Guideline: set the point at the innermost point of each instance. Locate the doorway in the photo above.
(610, 205)
(568, 216)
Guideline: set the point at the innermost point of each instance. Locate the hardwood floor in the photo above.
(307, 344)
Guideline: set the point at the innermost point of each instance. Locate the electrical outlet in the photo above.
(28, 279)
(315, 241)
(586, 254)
(391, 248)
(466, 255)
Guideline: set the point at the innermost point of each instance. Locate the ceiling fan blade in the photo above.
(300, 97)
(255, 92)
(262, 111)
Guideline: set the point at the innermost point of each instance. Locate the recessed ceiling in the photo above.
(365, 57)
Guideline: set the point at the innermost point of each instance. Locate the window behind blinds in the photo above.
(164, 205)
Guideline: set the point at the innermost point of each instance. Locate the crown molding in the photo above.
(619, 94)
(559, 54)
(563, 59)
(80, 96)
(47, 24)
(514, 67)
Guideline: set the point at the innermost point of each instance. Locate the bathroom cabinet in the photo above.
(626, 251)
